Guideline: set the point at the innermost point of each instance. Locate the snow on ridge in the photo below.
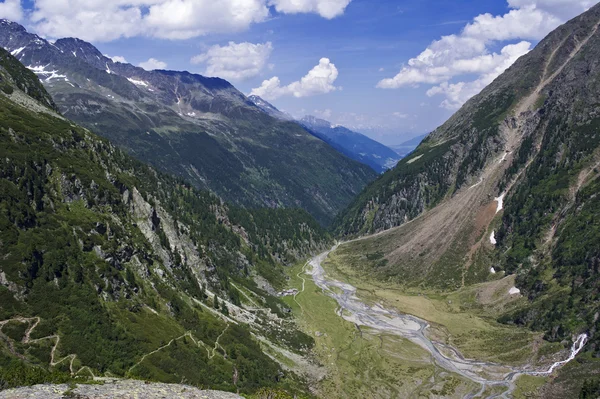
(138, 82)
(513, 291)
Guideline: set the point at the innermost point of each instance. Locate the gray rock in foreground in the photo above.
(115, 389)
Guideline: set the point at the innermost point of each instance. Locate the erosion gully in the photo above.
(414, 329)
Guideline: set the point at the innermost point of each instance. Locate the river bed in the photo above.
(414, 329)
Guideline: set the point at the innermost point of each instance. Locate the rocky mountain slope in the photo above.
(199, 128)
(507, 186)
(110, 268)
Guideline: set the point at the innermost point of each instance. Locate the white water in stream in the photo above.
(376, 317)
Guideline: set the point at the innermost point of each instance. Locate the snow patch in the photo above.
(17, 51)
(138, 82)
(513, 291)
(414, 159)
(492, 270)
(47, 75)
(74, 53)
(500, 201)
(493, 238)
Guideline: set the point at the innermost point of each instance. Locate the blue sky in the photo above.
(360, 51)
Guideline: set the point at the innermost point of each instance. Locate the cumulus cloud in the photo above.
(106, 20)
(11, 9)
(326, 8)
(490, 67)
(323, 114)
(153, 64)
(319, 80)
(236, 61)
(117, 58)
(468, 53)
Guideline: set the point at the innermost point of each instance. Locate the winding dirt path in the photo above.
(27, 340)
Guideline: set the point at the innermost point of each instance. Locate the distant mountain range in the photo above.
(355, 145)
(201, 129)
(352, 144)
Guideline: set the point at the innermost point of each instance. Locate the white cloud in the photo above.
(11, 9)
(319, 80)
(323, 114)
(106, 20)
(117, 58)
(153, 64)
(400, 115)
(326, 8)
(491, 66)
(236, 61)
(468, 53)
(564, 9)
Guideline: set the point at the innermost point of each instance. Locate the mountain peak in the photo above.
(12, 24)
(313, 121)
(269, 108)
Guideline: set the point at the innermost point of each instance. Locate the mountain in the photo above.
(355, 145)
(198, 128)
(352, 144)
(269, 109)
(508, 186)
(111, 268)
(408, 146)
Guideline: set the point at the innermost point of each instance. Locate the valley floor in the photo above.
(366, 357)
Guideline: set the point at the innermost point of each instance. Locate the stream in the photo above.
(376, 317)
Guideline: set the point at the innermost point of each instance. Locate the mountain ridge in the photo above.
(201, 129)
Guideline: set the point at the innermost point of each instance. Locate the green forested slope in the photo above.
(103, 261)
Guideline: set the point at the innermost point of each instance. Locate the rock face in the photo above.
(202, 129)
(115, 389)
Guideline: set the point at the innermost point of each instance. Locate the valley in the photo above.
(413, 338)
(187, 234)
